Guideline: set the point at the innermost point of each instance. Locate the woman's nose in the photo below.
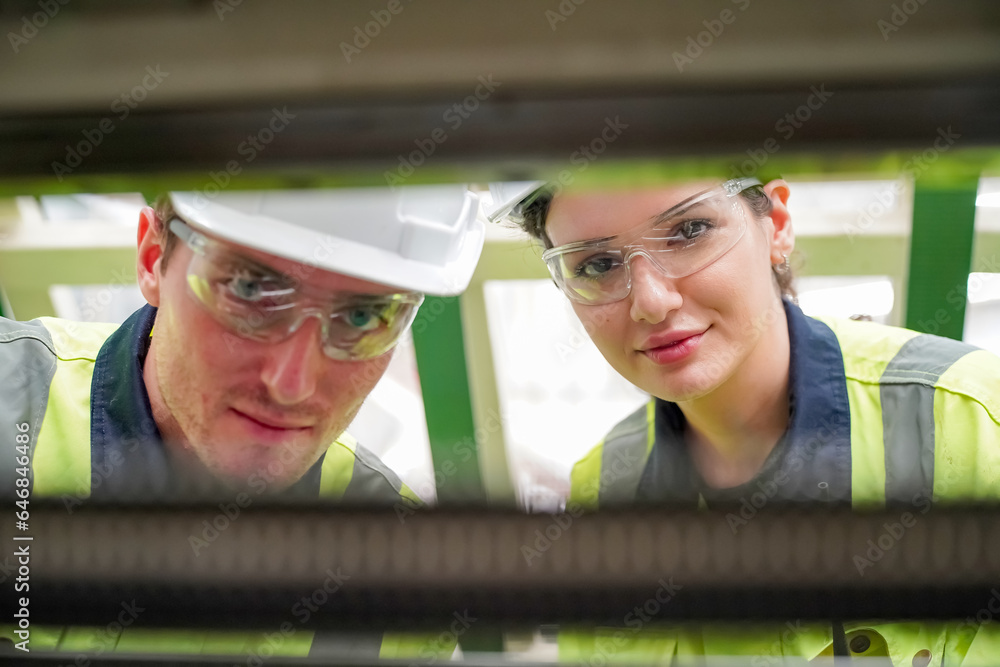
(653, 295)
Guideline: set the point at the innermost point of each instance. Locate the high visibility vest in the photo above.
(881, 413)
(49, 372)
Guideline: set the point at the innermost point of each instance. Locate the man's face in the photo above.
(241, 407)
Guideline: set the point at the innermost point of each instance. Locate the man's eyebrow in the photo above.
(350, 297)
(347, 296)
(260, 266)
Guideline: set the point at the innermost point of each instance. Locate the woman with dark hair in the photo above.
(686, 291)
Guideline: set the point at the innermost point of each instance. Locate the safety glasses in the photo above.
(258, 303)
(680, 241)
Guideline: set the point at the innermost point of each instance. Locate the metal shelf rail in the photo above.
(380, 569)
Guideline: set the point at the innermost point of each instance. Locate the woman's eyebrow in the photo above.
(671, 212)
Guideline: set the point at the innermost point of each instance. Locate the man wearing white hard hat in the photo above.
(270, 318)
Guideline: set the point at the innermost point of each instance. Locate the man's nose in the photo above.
(293, 366)
(653, 295)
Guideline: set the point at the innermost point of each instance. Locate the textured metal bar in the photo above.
(380, 569)
(525, 125)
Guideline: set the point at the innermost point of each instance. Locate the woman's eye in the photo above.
(596, 267)
(692, 229)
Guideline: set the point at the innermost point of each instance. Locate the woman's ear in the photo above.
(149, 255)
(782, 239)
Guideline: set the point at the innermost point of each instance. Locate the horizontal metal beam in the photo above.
(406, 135)
(224, 565)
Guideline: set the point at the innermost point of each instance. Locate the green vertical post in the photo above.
(941, 256)
(439, 345)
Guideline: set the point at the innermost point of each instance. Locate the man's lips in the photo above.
(270, 422)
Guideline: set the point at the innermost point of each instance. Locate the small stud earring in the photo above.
(785, 266)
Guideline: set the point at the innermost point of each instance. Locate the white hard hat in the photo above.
(419, 238)
(505, 196)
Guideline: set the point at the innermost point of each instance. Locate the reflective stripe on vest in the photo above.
(624, 456)
(895, 430)
(52, 372)
(907, 389)
(353, 473)
(611, 471)
(27, 363)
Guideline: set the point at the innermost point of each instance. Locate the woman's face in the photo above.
(681, 338)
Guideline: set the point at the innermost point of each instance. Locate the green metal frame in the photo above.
(444, 383)
(5, 309)
(941, 257)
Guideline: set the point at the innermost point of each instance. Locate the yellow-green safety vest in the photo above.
(880, 413)
(50, 369)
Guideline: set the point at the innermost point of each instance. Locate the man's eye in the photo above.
(246, 288)
(258, 289)
(364, 318)
(596, 267)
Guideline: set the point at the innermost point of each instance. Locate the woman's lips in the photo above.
(672, 348)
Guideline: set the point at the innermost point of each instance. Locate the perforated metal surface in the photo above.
(376, 567)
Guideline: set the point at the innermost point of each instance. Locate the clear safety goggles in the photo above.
(680, 241)
(256, 302)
